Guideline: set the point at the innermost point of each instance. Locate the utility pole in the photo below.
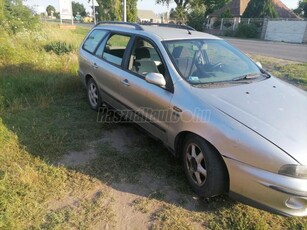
(125, 10)
(94, 11)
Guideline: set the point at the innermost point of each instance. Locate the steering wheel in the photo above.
(217, 65)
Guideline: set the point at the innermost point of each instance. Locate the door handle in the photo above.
(125, 82)
(95, 66)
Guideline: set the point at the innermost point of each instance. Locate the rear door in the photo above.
(108, 66)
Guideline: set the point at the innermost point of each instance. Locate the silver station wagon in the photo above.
(236, 128)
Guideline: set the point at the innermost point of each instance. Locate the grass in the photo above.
(290, 71)
(39, 93)
(44, 115)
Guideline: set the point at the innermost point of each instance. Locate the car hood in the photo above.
(272, 108)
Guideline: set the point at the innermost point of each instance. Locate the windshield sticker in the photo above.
(193, 79)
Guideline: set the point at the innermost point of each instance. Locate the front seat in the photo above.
(183, 59)
(143, 63)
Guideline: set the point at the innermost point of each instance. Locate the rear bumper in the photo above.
(266, 190)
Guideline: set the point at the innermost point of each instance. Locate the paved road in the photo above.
(294, 52)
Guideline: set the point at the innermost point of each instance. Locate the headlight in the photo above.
(297, 171)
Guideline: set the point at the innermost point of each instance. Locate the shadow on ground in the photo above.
(49, 113)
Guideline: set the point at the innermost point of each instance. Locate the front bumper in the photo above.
(266, 190)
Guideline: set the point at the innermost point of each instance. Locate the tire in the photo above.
(204, 167)
(94, 97)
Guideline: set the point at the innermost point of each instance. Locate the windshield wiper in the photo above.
(250, 76)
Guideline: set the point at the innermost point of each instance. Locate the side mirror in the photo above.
(259, 64)
(156, 79)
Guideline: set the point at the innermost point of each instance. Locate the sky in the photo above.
(142, 5)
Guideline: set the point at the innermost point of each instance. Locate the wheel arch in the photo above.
(179, 143)
(87, 78)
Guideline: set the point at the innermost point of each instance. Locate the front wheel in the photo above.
(204, 167)
(94, 97)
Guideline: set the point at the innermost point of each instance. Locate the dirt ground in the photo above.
(134, 204)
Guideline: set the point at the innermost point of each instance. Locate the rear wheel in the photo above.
(94, 96)
(204, 167)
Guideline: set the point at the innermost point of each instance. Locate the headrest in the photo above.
(141, 53)
(180, 52)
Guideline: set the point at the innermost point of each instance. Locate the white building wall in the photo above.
(286, 31)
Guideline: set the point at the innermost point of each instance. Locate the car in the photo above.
(78, 18)
(237, 129)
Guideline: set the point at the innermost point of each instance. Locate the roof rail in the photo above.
(178, 26)
(135, 25)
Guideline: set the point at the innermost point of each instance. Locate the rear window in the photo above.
(93, 40)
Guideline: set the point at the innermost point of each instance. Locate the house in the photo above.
(144, 16)
(237, 8)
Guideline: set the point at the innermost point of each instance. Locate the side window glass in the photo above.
(93, 39)
(115, 48)
(145, 58)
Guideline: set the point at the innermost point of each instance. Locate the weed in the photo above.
(141, 204)
(58, 47)
(171, 217)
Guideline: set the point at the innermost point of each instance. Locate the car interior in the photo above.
(145, 59)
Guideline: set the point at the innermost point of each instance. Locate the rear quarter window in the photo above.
(93, 40)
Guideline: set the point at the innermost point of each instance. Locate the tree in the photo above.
(260, 9)
(226, 14)
(196, 17)
(212, 5)
(112, 10)
(179, 14)
(109, 10)
(78, 8)
(301, 9)
(50, 8)
(1, 11)
(209, 5)
(180, 3)
(131, 10)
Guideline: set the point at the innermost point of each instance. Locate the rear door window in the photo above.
(93, 40)
(115, 48)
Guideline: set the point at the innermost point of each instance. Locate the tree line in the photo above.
(192, 12)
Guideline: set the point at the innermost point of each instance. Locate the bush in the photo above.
(229, 33)
(58, 47)
(15, 17)
(247, 31)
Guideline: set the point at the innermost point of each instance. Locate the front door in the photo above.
(149, 104)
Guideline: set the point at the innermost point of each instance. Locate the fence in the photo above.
(269, 29)
(227, 26)
(232, 23)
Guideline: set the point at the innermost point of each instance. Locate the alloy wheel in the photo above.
(196, 164)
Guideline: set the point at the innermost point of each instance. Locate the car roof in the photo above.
(163, 31)
(166, 33)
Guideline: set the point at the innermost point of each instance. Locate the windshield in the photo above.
(203, 61)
